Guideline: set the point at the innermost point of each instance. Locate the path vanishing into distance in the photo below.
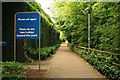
(67, 64)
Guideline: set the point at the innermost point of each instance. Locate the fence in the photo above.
(90, 49)
(105, 62)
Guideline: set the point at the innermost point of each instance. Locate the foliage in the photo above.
(44, 52)
(47, 51)
(102, 62)
(48, 35)
(71, 19)
(104, 27)
(13, 70)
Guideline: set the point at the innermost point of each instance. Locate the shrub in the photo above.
(12, 70)
(44, 52)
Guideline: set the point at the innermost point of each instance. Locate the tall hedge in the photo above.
(104, 27)
(72, 18)
(49, 36)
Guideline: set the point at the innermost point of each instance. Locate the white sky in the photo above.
(45, 4)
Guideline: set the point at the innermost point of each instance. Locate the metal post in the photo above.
(88, 30)
(39, 40)
(14, 38)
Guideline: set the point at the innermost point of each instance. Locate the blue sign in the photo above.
(27, 25)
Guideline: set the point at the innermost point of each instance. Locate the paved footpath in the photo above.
(67, 64)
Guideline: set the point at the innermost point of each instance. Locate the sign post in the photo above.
(27, 26)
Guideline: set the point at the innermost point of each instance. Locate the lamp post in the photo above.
(89, 10)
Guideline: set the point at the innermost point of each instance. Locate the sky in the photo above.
(45, 4)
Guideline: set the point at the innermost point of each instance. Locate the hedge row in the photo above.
(49, 37)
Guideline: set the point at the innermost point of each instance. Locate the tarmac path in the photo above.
(67, 64)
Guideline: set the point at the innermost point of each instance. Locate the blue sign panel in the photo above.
(27, 26)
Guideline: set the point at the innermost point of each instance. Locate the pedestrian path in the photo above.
(67, 64)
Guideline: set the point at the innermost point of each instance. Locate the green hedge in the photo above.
(72, 19)
(49, 37)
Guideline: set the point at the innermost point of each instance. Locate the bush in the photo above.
(12, 70)
(44, 52)
(47, 51)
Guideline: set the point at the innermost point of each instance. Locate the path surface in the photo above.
(67, 64)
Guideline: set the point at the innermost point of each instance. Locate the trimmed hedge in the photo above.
(49, 37)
